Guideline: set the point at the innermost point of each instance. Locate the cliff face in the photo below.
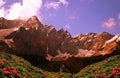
(48, 48)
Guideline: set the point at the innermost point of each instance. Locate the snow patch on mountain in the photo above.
(115, 38)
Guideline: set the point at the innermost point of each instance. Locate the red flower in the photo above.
(6, 72)
(118, 73)
(9, 70)
(119, 69)
(104, 75)
(114, 72)
(14, 71)
(5, 69)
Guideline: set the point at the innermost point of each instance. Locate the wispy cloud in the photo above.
(119, 16)
(56, 5)
(87, 0)
(72, 17)
(68, 26)
(110, 23)
(119, 19)
(27, 9)
(1, 8)
(64, 2)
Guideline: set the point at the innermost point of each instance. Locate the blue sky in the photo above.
(76, 16)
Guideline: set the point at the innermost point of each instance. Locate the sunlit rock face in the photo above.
(93, 41)
(46, 47)
(31, 22)
(5, 24)
(111, 45)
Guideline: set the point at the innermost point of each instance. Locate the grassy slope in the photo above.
(109, 68)
(15, 67)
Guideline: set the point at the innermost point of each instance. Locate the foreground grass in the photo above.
(109, 68)
(12, 66)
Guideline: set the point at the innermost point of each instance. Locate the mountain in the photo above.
(91, 43)
(55, 50)
(32, 21)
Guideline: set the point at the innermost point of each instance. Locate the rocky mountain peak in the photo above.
(32, 22)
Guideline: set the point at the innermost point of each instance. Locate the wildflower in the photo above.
(104, 75)
(6, 72)
(5, 69)
(119, 69)
(14, 71)
(114, 72)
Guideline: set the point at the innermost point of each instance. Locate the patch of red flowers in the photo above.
(102, 76)
(111, 75)
(9, 71)
(115, 72)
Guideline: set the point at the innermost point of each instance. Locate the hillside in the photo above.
(109, 68)
(12, 66)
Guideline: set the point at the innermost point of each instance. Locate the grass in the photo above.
(109, 68)
(12, 66)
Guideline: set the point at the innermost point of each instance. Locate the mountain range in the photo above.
(55, 50)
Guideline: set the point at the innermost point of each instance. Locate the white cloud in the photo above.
(27, 9)
(1, 12)
(2, 3)
(110, 23)
(1, 8)
(56, 5)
